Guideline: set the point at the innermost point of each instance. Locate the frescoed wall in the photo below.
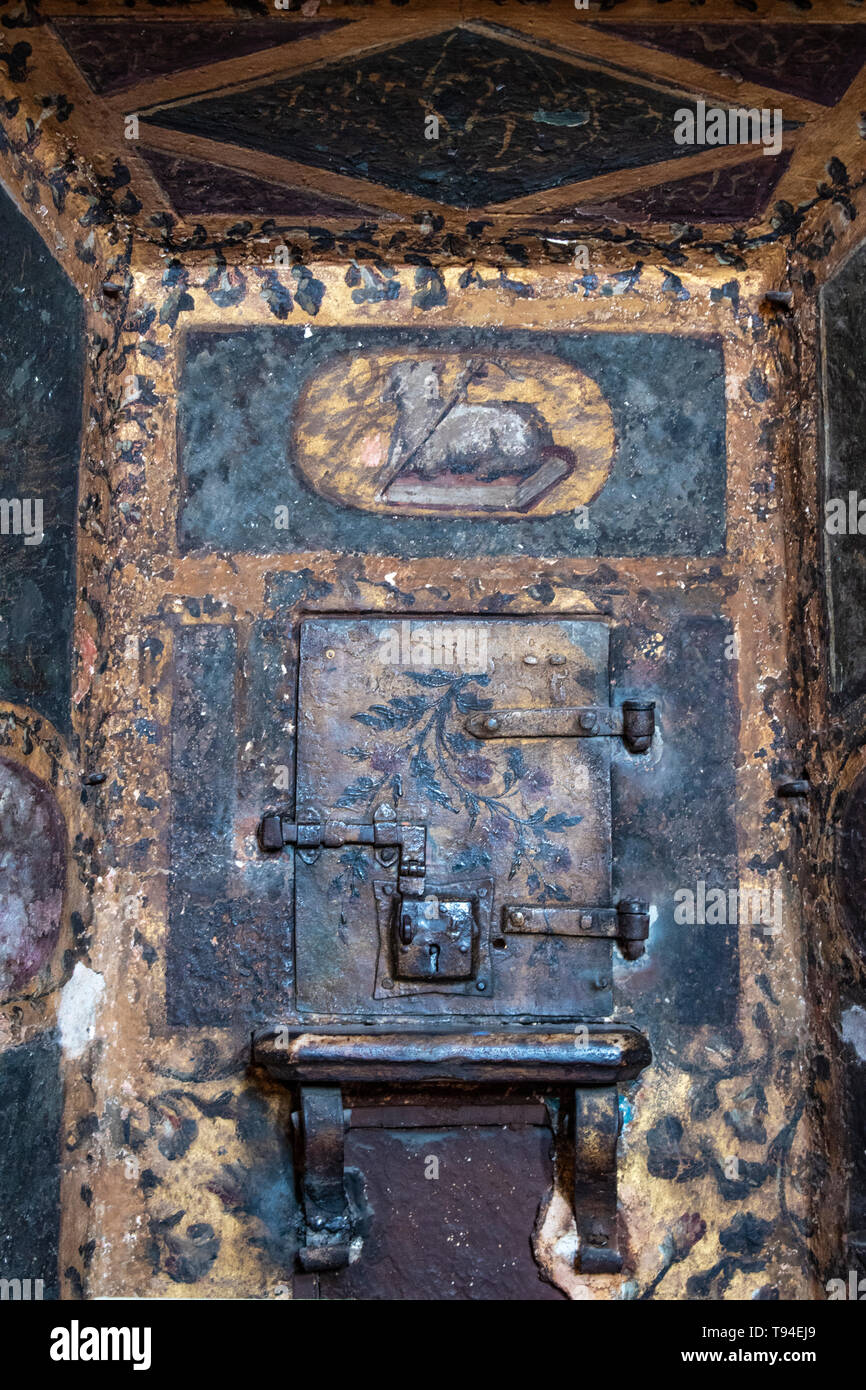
(41, 406)
(318, 367)
(218, 645)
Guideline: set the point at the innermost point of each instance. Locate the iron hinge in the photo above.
(627, 923)
(634, 723)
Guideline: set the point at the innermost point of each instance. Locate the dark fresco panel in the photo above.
(31, 1105)
(411, 443)
(853, 1060)
(195, 187)
(674, 825)
(203, 791)
(228, 958)
(114, 54)
(41, 375)
(850, 869)
(817, 62)
(729, 194)
(843, 309)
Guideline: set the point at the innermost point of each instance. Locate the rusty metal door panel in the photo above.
(382, 718)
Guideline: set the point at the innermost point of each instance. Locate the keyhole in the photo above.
(433, 952)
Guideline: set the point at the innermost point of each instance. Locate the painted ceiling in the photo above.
(517, 115)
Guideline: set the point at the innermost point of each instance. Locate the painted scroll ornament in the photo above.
(500, 434)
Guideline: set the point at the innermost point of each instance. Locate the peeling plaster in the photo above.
(854, 1029)
(76, 1015)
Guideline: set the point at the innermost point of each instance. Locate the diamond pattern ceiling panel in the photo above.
(512, 120)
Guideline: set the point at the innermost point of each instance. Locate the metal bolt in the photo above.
(530, 661)
(600, 982)
(517, 919)
(491, 724)
(557, 659)
(330, 653)
(387, 983)
(588, 720)
(481, 986)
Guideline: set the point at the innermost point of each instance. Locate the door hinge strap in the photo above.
(634, 723)
(627, 923)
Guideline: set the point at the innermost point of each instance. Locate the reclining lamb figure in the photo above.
(490, 439)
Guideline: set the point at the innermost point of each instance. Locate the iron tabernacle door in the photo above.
(383, 708)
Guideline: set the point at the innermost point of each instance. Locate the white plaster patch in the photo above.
(554, 1245)
(854, 1029)
(76, 1015)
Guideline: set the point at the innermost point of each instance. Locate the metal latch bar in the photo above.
(406, 841)
(634, 723)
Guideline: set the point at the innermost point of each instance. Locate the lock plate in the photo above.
(438, 943)
(435, 939)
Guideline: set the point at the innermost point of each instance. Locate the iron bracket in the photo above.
(596, 1126)
(587, 1065)
(321, 1142)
